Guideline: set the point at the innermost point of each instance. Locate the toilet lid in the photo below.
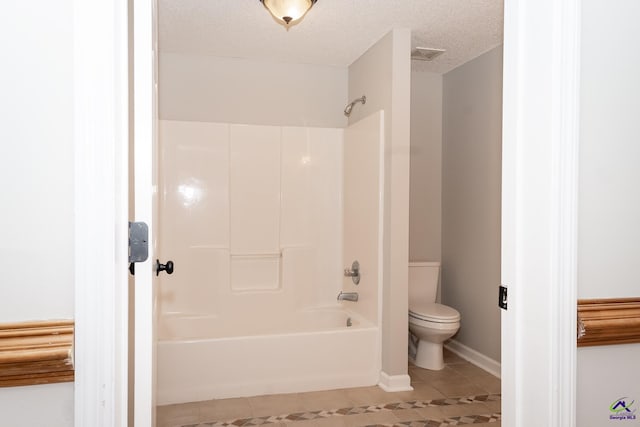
(434, 312)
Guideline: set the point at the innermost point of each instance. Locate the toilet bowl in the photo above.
(430, 322)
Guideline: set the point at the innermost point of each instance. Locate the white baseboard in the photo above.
(393, 383)
(472, 356)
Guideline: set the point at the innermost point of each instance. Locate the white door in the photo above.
(145, 178)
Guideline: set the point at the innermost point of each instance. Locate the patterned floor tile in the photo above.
(460, 394)
(451, 421)
(359, 410)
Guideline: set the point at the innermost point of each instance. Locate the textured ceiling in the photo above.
(334, 32)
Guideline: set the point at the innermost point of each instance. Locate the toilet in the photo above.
(430, 322)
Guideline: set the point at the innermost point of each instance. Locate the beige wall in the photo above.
(234, 90)
(471, 199)
(425, 215)
(36, 169)
(609, 199)
(383, 74)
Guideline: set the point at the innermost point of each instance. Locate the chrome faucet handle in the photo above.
(353, 272)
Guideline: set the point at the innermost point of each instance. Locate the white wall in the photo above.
(234, 90)
(425, 213)
(44, 405)
(36, 166)
(609, 199)
(609, 150)
(383, 74)
(36, 171)
(471, 199)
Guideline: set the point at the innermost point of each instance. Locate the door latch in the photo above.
(138, 244)
(502, 297)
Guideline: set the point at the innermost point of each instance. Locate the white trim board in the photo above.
(100, 70)
(472, 356)
(394, 383)
(539, 211)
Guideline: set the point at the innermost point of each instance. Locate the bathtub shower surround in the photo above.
(253, 218)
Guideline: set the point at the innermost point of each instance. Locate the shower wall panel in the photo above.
(254, 208)
(252, 217)
(254, 189)
(363, 211)
(193, 214)
(312, 209)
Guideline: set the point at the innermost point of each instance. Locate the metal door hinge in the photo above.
(502, 297)
(138, 244)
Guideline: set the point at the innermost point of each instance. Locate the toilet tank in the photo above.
(423, 281)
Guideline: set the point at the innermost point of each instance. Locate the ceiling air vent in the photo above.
(425, 53)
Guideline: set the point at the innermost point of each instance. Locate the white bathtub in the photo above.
(303, 351)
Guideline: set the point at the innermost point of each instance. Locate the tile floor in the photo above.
(460, 394)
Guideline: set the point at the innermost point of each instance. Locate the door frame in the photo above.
(540, 143)
(541, 94)
(100, 132)
(144, 175)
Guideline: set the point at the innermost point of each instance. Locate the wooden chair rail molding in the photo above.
(39, 352)
(608, 321)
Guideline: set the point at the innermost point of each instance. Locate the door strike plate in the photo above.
(502, 297)
(138, 242)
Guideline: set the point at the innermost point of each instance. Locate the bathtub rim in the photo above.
(360, 323)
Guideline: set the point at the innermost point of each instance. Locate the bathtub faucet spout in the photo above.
(348, 296)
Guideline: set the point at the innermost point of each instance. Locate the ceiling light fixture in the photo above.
(288, 12)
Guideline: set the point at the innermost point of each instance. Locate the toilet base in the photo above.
(429, 356)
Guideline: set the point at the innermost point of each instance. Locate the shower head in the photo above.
(349, 107)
